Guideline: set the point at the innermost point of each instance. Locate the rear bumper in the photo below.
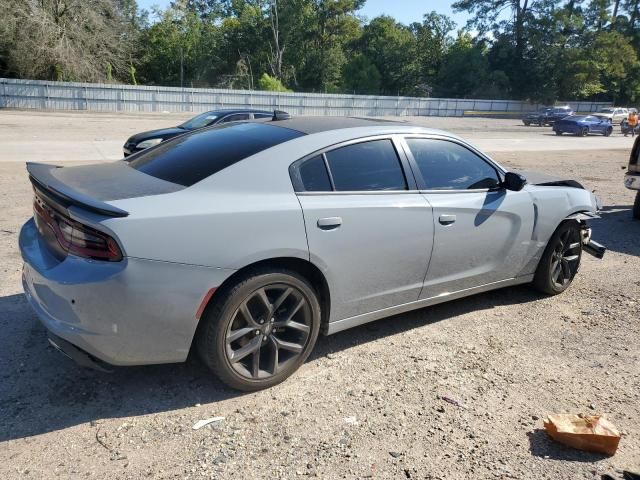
(79, 356)
(131, 312)
(632, 181)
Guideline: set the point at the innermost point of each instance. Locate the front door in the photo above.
(482, 231)
(366, 229)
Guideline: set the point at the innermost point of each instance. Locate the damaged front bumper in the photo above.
(590, 246)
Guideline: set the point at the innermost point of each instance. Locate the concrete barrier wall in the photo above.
(44, 95)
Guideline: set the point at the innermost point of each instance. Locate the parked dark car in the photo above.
(143, 140)
(547, 115)
(583, 125)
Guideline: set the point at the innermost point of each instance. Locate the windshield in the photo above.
(199, 121)
(606, 110)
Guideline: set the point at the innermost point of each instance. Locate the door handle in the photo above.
(447, 219)
(329, 223)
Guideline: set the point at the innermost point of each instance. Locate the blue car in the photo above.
(583, 125)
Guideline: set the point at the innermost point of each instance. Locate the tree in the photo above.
(271, 84)
(66, 39)
(361, 76)
(392, 48)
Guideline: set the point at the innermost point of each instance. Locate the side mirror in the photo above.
(514, 181)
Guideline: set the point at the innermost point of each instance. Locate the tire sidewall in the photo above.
(213, 348)
(542, 278)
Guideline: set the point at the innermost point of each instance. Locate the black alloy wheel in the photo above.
(259, 331)
(269, 330)
(561, 259)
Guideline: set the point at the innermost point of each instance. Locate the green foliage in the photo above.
(539, 50)
(271, 84)
(361, 76)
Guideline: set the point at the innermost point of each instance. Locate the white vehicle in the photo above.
(632, 177)
(613, 114)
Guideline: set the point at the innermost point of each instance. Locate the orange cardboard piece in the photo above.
(584, 432)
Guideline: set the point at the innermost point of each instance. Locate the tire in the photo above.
(608, 132)
(636, 207)
(584, 131)
(527, 123)
(548, 279)
(295, 318)
(558, 132)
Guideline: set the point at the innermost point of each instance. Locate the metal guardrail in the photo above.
(46, 95)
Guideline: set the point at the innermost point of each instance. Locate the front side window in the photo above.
(367, 166)
(200, 121)
(447, 165)
(238, 117)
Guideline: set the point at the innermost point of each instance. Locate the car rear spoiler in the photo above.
(41, 177)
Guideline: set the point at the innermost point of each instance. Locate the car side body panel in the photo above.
(179, 245)
(489, 241)
(120, 312)
(378, 256)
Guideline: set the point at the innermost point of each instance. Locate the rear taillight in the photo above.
(76, 238)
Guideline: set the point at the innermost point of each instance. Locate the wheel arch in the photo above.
(304, 268)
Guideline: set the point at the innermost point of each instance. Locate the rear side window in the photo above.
(314, 175)
(262, 115)
(448, 166)
(366, 166)
(190, 158)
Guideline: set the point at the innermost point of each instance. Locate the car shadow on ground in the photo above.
(43, 391)
(617, 230)
(540, 445)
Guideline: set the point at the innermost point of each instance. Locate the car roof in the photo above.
(226, 111)
(311, 125)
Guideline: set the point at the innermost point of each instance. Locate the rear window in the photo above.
(188, 159)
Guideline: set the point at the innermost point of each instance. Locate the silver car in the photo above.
(246, 241)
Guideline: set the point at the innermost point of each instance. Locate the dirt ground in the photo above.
(367, 404)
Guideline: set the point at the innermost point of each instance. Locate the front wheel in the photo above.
(636, 207)
(260, 330)
(584, 131)
(608, 132)
(560, 260)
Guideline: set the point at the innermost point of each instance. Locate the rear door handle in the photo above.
(329, 223)
(447, 219)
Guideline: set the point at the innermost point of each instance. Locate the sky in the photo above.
(405, 11)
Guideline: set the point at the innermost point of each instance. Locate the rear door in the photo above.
(482, 231)
(367, 225)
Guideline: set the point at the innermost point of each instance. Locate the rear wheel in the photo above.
(558, 132)
(608, 131)
(560, 260)
(261, 330)
(636, 207)
(527, 123)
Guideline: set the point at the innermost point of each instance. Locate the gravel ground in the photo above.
(367, 404)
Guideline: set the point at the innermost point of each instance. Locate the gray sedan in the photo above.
(246, 241)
